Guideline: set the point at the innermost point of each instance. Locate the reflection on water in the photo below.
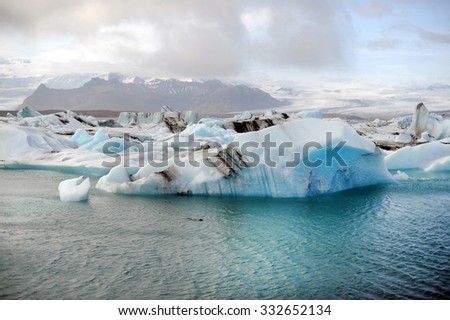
(382, 242)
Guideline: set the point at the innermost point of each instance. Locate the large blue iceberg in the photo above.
(298, 164)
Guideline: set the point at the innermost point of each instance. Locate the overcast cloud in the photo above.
(226, 39)
(197, 38)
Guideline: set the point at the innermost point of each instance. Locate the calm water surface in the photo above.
(386, 242)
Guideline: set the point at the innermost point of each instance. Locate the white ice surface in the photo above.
(400, 175)
(442, 164)
(18, 143)
(30, 143)
(431, 156)
(364, 165)
(27, 113)
(318, 114)
(76, 189)
(206, 132)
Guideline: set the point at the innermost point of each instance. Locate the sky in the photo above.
(348, 41)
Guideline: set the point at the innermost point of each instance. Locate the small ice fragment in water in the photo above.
(401, 176)
(76, 189)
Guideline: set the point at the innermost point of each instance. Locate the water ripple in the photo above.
(389, 242)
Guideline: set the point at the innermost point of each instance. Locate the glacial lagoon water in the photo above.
(384, 242)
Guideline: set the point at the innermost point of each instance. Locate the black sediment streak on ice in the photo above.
(175, 125)
(228, 162)
(79, 119)
(169, 174)
(249, 125)
(111, 123)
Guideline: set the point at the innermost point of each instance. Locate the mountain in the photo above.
(121, 93)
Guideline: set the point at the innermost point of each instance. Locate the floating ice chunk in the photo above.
(139, 118)
(317, 113)
(210, 122)
(246, 115)
(270, 113)
(204, 132)
(404, 122)
(379, 123)
(27, 112)
(404, 138)
(229, 171)
(81, 137)
(114, 180)
(420, 120)
(401, 176)
(191, 116)
(17, 142)
(442, 164)
(423, 121)
(100, 136)
(148, 170)
(419, 157)
(118, 174)
(60, 122)
(89, 120)
(125, 118)
(76, 189)
(100, 142)
(425, 137)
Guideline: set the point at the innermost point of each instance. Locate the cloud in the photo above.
(435, 37)
(4, 61)
(312, 34)
(373, 9)
(423, 34)
(200, 38)
(382, 44)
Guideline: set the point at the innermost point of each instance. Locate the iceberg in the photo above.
(246, 122)
(432, 156)
(404, 138)
(404, 122)
(246, 115)
(96, 142)
(401, 176)
(424, 121)
(37, 148)
(61, 122)
(270, 113)
(244, 167)
(100, 141)
(17, 142)
(166, 116)
(442, 164)
(81, 137)
(117, 178)
(76, 189)
(318, 114)
(27, 112)
(205, 132)
(224, 156)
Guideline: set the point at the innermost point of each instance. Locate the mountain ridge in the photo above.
(136, 94)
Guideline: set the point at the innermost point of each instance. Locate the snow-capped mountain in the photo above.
(68, 81)
(130, 93)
